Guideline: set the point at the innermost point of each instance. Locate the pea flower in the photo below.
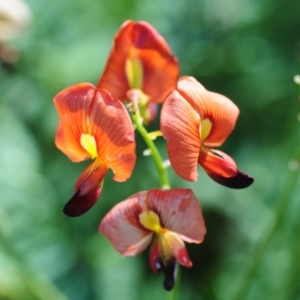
(140, 66)
(93, 125)
(173, 216)
(193, 122)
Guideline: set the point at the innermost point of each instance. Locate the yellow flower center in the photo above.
(88, 142)
(150, 220)
(134, 72)
(205, 129)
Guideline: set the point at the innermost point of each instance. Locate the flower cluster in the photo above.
(140, 73)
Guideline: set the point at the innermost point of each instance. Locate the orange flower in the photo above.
(174, 216)
(140, 60)
(193, 121)
(93, 125)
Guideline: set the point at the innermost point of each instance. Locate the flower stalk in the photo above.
(159, 164)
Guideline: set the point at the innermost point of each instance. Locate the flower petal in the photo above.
(217, 162)
(222, 169)
(122, 227)
(73, 105)
(179, 125)
(239, 181)
(87, 190)
(178, 249)
(159, 67)
(179, 211)
(85, 110)
(154, 257)
(78, 205)
(220, 110)
(114, 134)
(90, 178)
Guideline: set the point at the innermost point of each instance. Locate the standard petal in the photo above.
(179, 211)
(160, 74)
(160, 68)
(179, 125)
(222, 169)
(122, 227)
(72, 105)
(87, 190)
(112, 128)
(220, 110)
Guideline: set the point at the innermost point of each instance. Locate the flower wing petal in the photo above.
(154, 257)
(179, 211)
(112, 127)
(179, 125)
(222, 169)
(178, 249)
(122, 227)
(72, 105)
(220, 110)
(160, 68)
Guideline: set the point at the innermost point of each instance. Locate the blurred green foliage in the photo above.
(247, 50)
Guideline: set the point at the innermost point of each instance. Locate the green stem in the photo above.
(161, 169)
(279, 214)
(163, 177)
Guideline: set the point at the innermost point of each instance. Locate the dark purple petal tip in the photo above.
(170, 272)
(77, 206)
(239, 181)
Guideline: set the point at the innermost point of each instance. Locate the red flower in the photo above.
(93, 125)
(141, 60)
(193, 121)
(173, 216)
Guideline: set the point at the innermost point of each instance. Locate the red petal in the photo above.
(122, 227)
(179, 211)
(178, 249)
(179, 124)
(85, 110)
(220, 110)
(114, 134)
(222, 169)
(217, 162)
(154, 257)
(90, 178)
(78, 205)
(87, 190)
(73, 105)
(160, 67)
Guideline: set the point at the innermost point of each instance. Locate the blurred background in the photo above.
(246, 50)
